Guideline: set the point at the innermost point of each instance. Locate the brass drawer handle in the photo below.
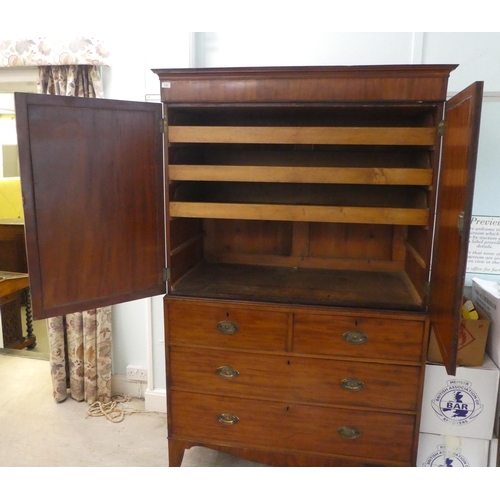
(227, 327)
(227, 372)
(352, 384)
(355, 337)
(349, 432)
(227, 418)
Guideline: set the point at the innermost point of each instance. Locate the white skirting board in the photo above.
(154, 399)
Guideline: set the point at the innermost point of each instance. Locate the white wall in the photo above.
(304, 48)
(476, 53)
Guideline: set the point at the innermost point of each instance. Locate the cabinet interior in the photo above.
(326, 204)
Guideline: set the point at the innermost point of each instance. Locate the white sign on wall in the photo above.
(484, 245)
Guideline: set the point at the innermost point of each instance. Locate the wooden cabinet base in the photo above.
(260, 382)
(374, 437)
(176, 449)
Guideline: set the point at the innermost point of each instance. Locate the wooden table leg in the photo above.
(12, 327)
(30, 336)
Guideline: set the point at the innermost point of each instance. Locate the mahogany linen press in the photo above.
(307, 225)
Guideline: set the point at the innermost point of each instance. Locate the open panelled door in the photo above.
(92, 183)
(456, 189)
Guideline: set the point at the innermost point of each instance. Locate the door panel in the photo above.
(92, 182)
(456, 188)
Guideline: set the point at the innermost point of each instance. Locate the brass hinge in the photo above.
(163, 126)
(440, 128)
(461, 223)
(166, 274)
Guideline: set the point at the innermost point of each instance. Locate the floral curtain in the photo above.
(80, 355)
(50, 51)
(74, 80)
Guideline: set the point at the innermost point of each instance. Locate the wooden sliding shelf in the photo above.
(311, 175)
(394, 136)
(305, 213)
(386, 208)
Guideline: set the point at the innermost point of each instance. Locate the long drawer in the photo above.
(369, 435)
(226, 326)
(358, 336)
(294, 378)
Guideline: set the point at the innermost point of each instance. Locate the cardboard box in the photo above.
(471, 342)
(463, 405)
(451, 451)
(486, 295)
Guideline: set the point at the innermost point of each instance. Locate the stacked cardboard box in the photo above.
(450, 451)
(435, 450)
(458, 415)
(471, 341)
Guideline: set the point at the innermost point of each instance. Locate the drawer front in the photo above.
(289, 378)
(359, 337)
(226, 326)
(370, 436)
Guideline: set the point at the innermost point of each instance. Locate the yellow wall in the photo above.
(11, 203)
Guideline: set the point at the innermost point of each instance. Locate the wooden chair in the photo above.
(14, 290)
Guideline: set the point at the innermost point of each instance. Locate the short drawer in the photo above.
(292, 378)
(360, 337)
(226, 326)
(369, 436)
